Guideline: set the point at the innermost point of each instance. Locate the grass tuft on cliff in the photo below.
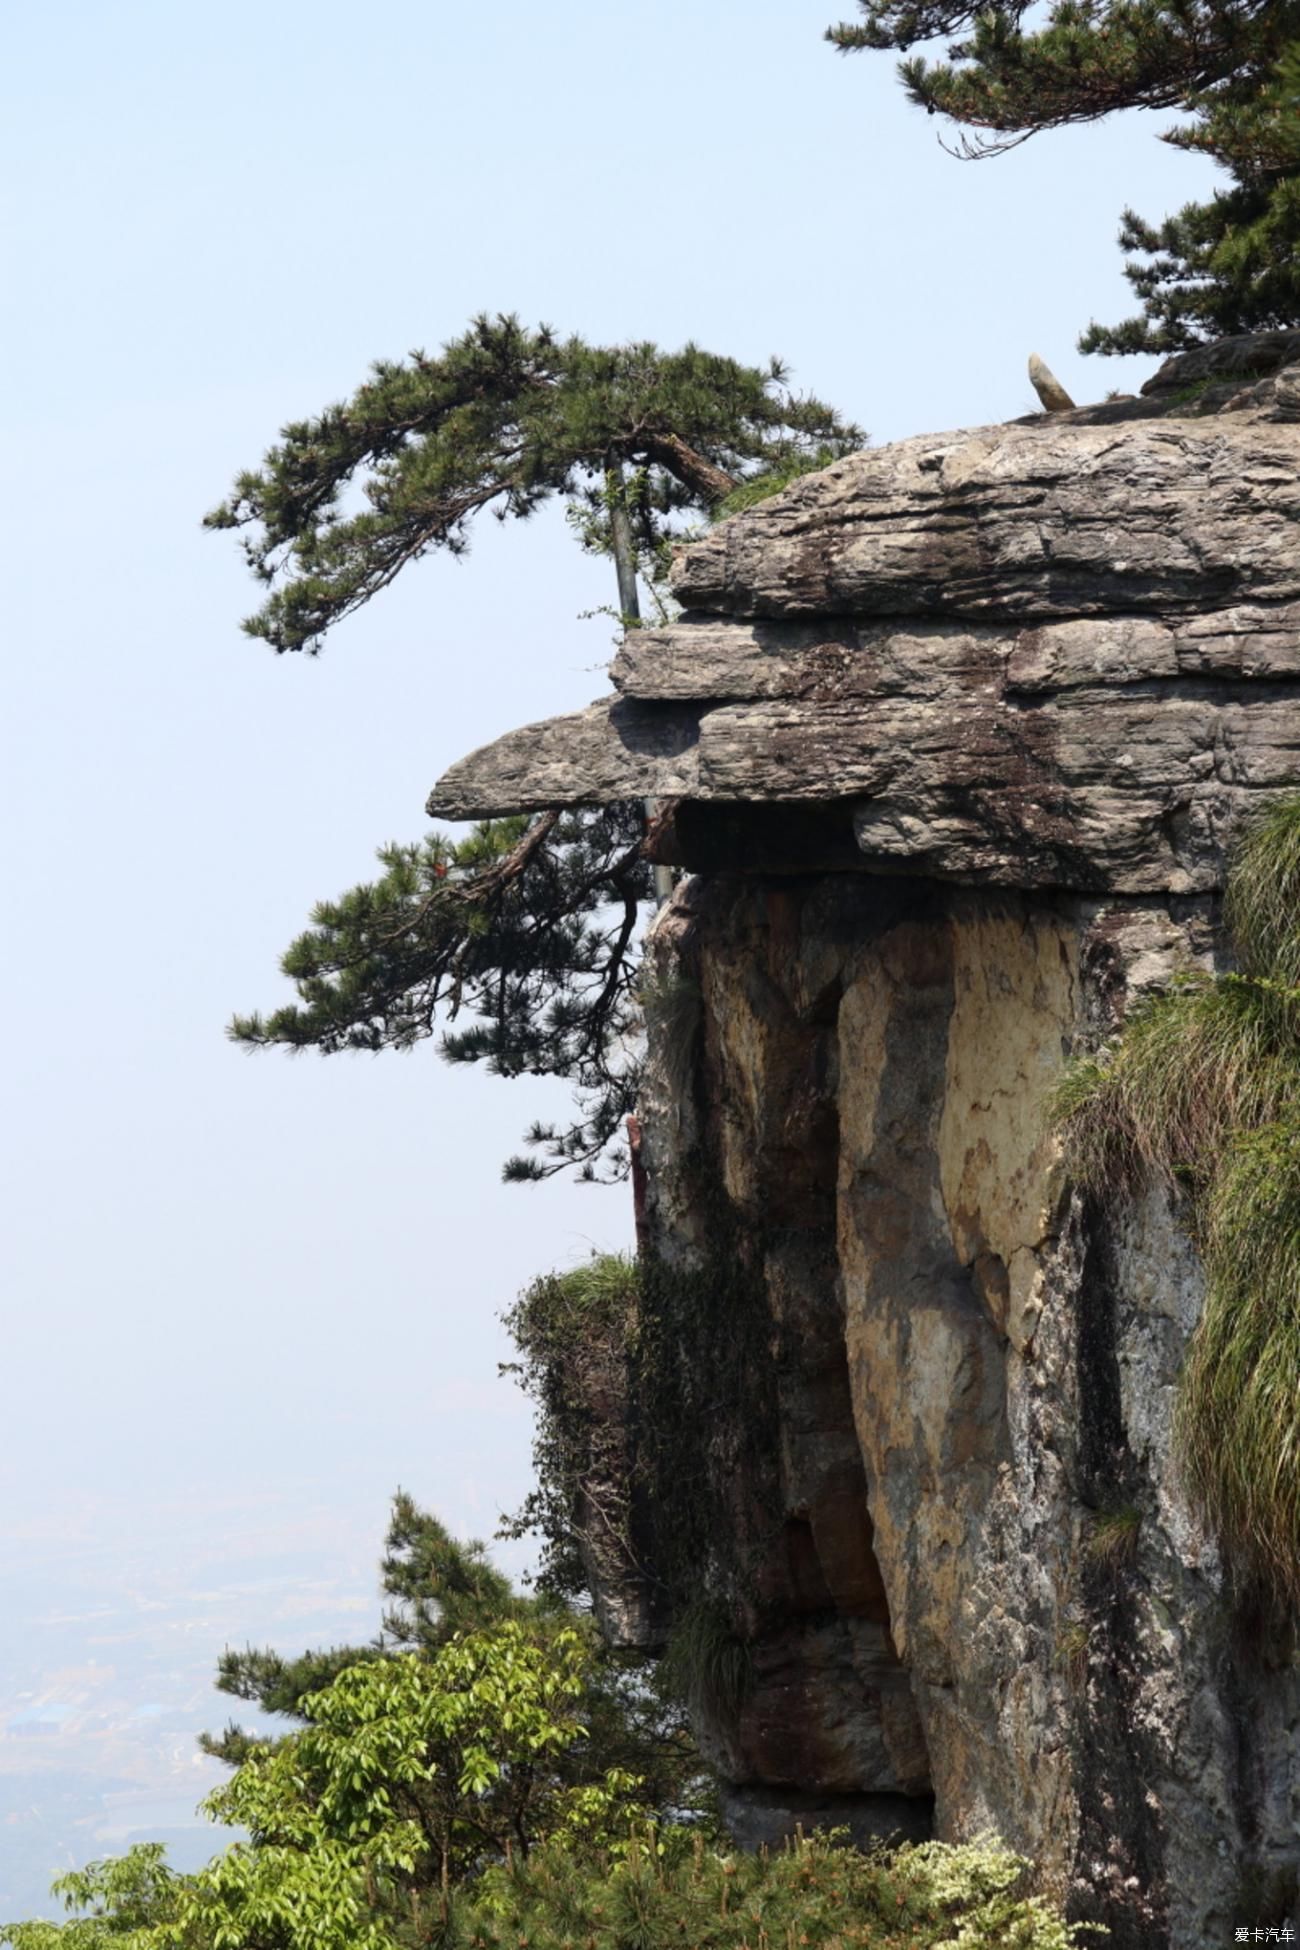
(707, 1664)
(1201, 1087)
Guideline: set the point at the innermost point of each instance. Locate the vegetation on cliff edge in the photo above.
(1201, 1088)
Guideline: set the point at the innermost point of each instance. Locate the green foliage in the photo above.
(504, 418)
(1084, 60)
(1263, 896)
(1229, 265)
(462, 1793)
(652, 1889)
(577, 1334)
(777, 474)
(656, 1392)
(1239, 1409)
(1210, 1056)
(410, 1776)
(528, 927)
(574, 1332)
(663, 1891)
(403, 1756)
(1232, 264)
(1202, 1087)
(437, 1587)
(126, 1903)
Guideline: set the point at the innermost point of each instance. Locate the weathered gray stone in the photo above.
(1045, 655)
(1007, 760)
(612, 750)
(1026, 522)
(1247, 356)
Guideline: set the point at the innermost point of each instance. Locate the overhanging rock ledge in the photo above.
(1053, 653)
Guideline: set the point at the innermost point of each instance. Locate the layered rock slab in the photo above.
(1046, 654)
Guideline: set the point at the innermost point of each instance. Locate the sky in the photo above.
(246, 1297)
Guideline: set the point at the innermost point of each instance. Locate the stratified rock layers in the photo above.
(958, 733)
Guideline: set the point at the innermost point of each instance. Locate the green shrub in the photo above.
(663, 1890)
(575, 1332)
(655, 1387)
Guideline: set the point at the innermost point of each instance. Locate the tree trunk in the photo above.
(629, 608)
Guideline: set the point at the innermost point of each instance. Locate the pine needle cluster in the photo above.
(1201, 1088)
(666, 1890)
(529, 929)
(1228, 265)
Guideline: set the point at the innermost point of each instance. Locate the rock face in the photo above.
(958, 732)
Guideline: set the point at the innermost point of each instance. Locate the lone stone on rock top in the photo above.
(1048, 387)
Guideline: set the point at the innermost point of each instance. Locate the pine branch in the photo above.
(504, 419)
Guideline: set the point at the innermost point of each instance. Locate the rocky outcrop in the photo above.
(957, 733)
(1052, 654)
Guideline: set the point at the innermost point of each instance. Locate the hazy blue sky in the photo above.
(254, 1278)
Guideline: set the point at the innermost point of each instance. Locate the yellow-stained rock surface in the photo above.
(968, 1369)
(1015, 1002)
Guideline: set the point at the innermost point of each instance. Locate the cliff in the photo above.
(952, 739)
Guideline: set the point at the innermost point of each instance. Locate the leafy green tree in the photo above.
(528, 926)
(411, 1774)
(439, 1588)
(1225, 266)
(127, 1902)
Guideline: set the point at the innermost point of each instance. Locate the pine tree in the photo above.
(505, 419)
(528, 926)
(1229, 265)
